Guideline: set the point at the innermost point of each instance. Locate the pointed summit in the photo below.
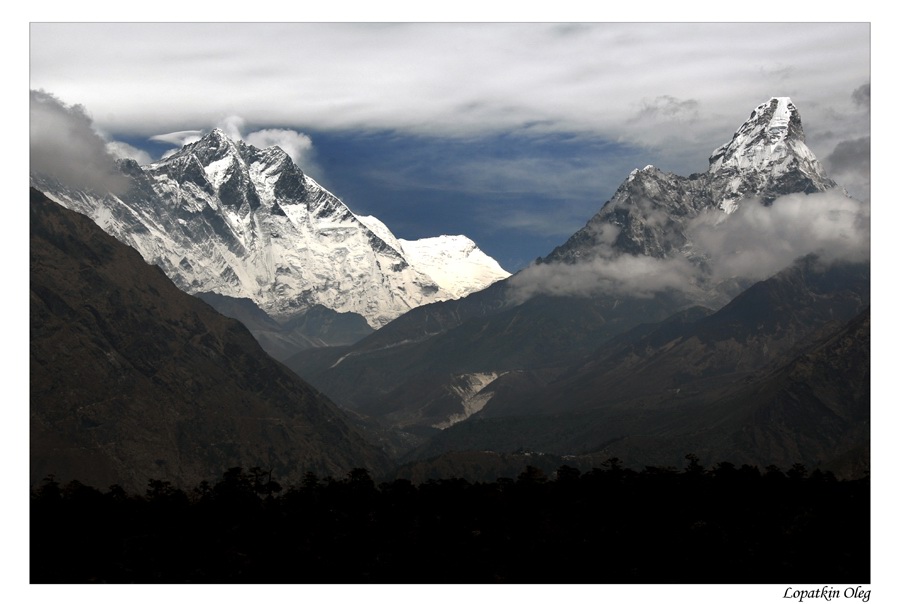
(218, 134)
(649, 212)
(215, 146)
(222, 216)
(770, 123)
(206, 162)
(766, 157)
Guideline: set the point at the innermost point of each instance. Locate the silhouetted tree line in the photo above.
(608, 525)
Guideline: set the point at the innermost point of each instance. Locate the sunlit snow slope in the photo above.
(226, 217)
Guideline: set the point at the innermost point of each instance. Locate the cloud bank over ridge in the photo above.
(749, 245)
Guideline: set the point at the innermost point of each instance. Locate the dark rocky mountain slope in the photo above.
(778, 376)
(315, 327)
(133, 379)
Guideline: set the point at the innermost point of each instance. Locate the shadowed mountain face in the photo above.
(132, 379)
(398, 380)
(316, 327)
(778, 376)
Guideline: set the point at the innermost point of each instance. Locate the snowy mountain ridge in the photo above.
(765, 152)
(454, 262)
(649, 212)
(226, 217)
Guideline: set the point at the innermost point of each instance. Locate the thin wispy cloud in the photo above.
(532, 220)
(668, 108)
(178, 139)
(233, 125)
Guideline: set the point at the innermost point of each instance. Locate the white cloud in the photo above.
(125, 151)
(460, 79)
(180, 138)
(750, 245)
(675, 91)
(626, 275)
(296, 144)
(757, 241)
(233, 126)
(65, 146)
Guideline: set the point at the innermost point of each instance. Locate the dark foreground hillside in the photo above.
(608, 525)
(132, 379)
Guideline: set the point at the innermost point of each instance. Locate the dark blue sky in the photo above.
(517, 197)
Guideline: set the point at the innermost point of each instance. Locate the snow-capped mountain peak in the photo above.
(648, 214)
(223, 216)
(766, 157)
(455, 262)
(211, 148)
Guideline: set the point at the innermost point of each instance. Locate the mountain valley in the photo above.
(665, 326)
(630, 338)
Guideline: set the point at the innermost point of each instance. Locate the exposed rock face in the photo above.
(646, 216)
(767, 157)
(133, 379)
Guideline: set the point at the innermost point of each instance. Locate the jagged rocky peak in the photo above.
(214, 146)
(770, 123)
(220, 215)
(645, 217)
(220, 157)
(765, 158)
